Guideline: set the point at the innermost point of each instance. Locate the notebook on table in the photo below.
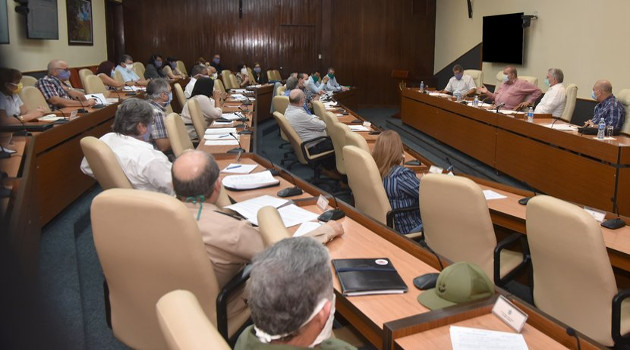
(368, 276)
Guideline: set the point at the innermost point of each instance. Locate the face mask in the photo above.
(216, 60)
(147, 135)
(257, 69)
(244, 71)
(17, 89)
(459, 76)
(63, 74)
(113, 73)
(170, 98)
(331, 76)
(214, 75)
(593, 95)
(505, 78)
(173, 65)
(314, 78)
(326, 332)
(547, 82)
(158, 64)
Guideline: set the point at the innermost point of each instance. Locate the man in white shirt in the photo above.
(125, 68)
(556, 97)
(145, 167)
(197, 71)
(460, 83)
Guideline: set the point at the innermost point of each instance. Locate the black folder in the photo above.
(368, 276)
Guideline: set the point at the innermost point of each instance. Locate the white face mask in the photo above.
(214, 76)
(505, 78)
(243, 71)
(326, 332)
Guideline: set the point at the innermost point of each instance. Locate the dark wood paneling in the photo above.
(363, 39)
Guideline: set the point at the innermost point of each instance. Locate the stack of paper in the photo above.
(220, 131)
(239, 97)
(251, 181)
(100, 98)
(230, 116)
(439, 94)
(330, 104)
(358, 128)
(490, 194)
(240, 91)
(249, 208)
(49, 118)
(464, 338)
(561, 126)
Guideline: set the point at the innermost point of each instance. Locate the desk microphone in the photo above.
(23, 132)
(555, 119)
(332, 214)
(524, 200)
(428, 280)
(291, 191)
(246, 110)
(238, 149)
(573, 333)
(617, 222)
(450, 165)
(245, 131)
(82, 109)
(499, 106)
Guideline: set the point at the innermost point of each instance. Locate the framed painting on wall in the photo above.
(80, 26)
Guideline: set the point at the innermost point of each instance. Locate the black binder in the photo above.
(368, 276)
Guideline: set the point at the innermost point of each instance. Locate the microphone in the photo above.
(291, 191)
(246, 110)
(238, 149)
(23, 132)
(245, 131)
(617, 222)
(82, 109)
(332, 214)
(524, 200)
(450, 165)
(428, 280)
(573, 333)
(499, 106)
(555, 119)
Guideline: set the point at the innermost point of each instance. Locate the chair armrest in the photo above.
(222, 299)
(615, 327)
(497, 257)
(304, 145)
(389, 217)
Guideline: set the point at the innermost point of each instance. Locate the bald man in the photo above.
(608, 107)
(230, 242)
(57, 89)
(308, 127)
(514, 93)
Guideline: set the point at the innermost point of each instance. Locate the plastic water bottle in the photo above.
(601, 129)
(422, 86)
(476, 101)
(530, 114)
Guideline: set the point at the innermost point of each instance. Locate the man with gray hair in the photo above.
(160, 96)
(460, 83)
(291, 298)
(56, 88)
(129, 76)
(197, 71)
(555, 98)
(146, 168)
(307, 126)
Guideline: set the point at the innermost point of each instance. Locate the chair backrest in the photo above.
(199, 122)
(28, 80)
(366, 184)
(529, 78)
(271, 227)
(225, 76)
(144, 259)
(454, 209)
(104, 164)
(329, 119)
(234, 82)
(280, 103)
(218, 85)
(337, 133)
(94, 85)
(569, 106)
(292, 135)
(270, 75)
(179, 94)
(624, 97)
(177, 134)
(281, 90)
(138, 67)
(118, 76)
(319, 109)
(476, 75)
(182, 67)
(573, 278)
(276, 75)
(83, 73)
(184, 324)
(167, 70)
(250, 74)
(355, 139)
(33, 98)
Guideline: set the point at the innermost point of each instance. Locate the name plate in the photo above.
(509, 313)
(435, 170)
(322, 202)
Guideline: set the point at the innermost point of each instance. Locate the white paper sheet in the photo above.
(561, 126)
(230, 116)
(220, 131)
(231, 142)
(293, 215)
(100, 98)
(221, 137)
(235, 168)
(49, 118)
(306, 228)
(358, 128)
(250, 181)
(464, 338)
(249, 208)
(490, 194)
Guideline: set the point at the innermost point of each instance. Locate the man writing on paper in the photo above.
(514, 93)
(230, 242)
(57, 89)
(291, 299)
(460, 83)
(556, 97)
(608, 107)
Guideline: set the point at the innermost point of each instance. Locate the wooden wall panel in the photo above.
(363, 39)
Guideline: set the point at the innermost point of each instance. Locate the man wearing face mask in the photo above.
(216, 63)
(259, 77)
(556, 97)
(460, 83)
(159, 94)
(57, 89)
(608, 106)
(514, 93)
(197, 71)
(314, 86)
(241, 76)
(291, 299)
(146, 168)
(332, 84)
(125, 68)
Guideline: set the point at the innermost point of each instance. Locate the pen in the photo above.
(233, 167)
(223, 136)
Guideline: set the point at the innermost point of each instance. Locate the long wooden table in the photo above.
(564, 164)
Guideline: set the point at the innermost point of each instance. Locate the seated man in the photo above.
(608, 107)
(332, 84)
(57, 89)
(513, 92)
(230, 242)
(216, 63)
(197, 71)
(314, 86)
(555, 98)
(306, 126)
(146, 168)
(291, 299)
(293, 83)
(125, 68)
(460, 83)
(159, 94)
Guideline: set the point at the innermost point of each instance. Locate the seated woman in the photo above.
(174, 73)
(105, 71)
(11, 106)
(401, 184)
(153, 68)
(242, 76)
(211, 110)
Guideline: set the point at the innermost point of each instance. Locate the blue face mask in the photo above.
(547, 82)
(173, 65)
(593, 95)
(158, 64)
(216, 60)
(257, 69)
(505, 78)
(147, 135)
(459, 76)
(170, 98)
(63, 74)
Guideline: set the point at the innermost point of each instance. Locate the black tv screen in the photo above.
(503, 38)
(41, 20)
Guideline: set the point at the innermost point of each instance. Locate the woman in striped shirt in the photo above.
(401, 184)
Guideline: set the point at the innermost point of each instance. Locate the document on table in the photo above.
(220, 137)
(230, 116)
(249, 208)
(306, 228)
(240, 91)
(100, 98)
(216, 124)
(439, 94)
(293, 215)
(330, 104)
(250, 181)
(490, 194)
(239, 168)
(358, 128)
(561, 127)
(49, 118)
(220, 131)
(464, 338)
(238, 97)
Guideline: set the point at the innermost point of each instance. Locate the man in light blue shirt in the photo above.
(314, 86)
(125, 68)
(332, 84)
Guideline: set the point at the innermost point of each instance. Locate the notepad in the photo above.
(49, 118)
(561, 127)
(368, 276)
(249, 208)
(221, 137)
(358, 128)
(220, 131)
(231, 142)
(230, 116)
(235, 168)
(490, 194)
(306, 227)
(465, 338)
(250, 181)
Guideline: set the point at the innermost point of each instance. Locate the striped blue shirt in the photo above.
(612, 111)
(403, 190)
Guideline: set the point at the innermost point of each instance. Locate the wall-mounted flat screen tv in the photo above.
(503, 38)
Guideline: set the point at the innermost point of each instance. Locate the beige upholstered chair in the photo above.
(250, 74)
(94, 85)
(624, 97)
(33, 98)
(280, 103)
(179, 94)
(28, 80)
(573, 278)
(337, 133)
(177, 134)
(270, 75)
(476, 75)
(218, 85)
(276, 75)
(457, 225)
(84, 73)
(118, 77)
(148, 257)
(569, 106)
(225, 76)
(234, 82)
(184, 324)
(355, 139)
(138, 67)
(271, 227)
(199, 122)
(104, 164)
(281, 90)
(167, 70)
(182, 67)
(319, 109)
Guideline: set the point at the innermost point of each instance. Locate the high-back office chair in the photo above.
(280, 103)
(337, 133)
(271, 227)
(199, 122)
(457, 225)
(146, 258)
(118, 77)
(104, 164)
(270, 75)
(281, 90)
(179, 95)
(476, 75)
(225, 76)
(28, 80)
(624, 97)
(573, 278)
(177, 134)
(276, 75)
(94, 85)
(84, 73)
(33, 98)
(569, 106)
(319, 109)
(182, 67)
(138, 67)
(184, 324)
(167, 70)
(218, 85)
(250, 74)
(234, 82)
(355, 139)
